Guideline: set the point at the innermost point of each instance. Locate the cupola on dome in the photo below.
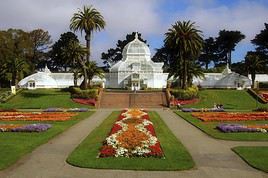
(136, 48)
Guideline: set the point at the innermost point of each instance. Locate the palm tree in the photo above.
(254, 63)
(92, 70)
(186, 40)
(74, 53)
(87, 20)
(194, 70)
(17, 67)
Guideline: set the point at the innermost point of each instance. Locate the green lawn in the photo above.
(256, 157)
(176, 156)
(231, 100)
(209, 128)
(14, 145)
(40, 99)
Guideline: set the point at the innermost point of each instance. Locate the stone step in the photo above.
(125, 100)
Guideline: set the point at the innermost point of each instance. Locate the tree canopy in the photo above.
(21, 53)
(87, 20)
(185, 41)
(57, 58)
(227, 41)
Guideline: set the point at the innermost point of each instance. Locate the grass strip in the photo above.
(16, 144)
(41, 99)
(255, 156)
(232, 100)
(176, 156)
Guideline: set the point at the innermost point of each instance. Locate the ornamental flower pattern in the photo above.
(231, 116)
(132, 135)
(36, 116)
(228, 128)
(24, 127)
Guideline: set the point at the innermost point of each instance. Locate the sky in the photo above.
(151, 18)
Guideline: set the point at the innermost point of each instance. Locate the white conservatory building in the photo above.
(226, 79)
(47, 79)
(136, 70)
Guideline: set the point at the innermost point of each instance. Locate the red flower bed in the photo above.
(183, 102)
(91, 102)
(35, 116)
(132, 135)
(220, 116)
(264, 96)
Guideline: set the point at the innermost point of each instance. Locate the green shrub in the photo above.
(7, 95)
(263, 85)
(86, 94)
(189, 93)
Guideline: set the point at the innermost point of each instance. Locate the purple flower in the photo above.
(77, 110)
(54, 110)
(235, 128)
(32, 128)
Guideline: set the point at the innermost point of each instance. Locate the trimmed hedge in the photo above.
(7, 95)
(256, 96)
(189, 93)
(85, 94)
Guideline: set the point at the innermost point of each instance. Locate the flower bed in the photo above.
(224, 116)
(35, 116)
(132, 135)
(91, 102)
(264, 95)
(242, 128)
(24, 127)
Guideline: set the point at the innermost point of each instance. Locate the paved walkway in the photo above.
(213, 157)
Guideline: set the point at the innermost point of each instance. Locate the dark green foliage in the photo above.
(87, 20)
(263, 85)
(86, 94)
(58, 59)
(226, 41)
(261, 40)
(209, 52)
(186, 43)
(21, 53)
(189, 93)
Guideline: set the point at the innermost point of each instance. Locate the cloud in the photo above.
(150, 17)
(246, 16)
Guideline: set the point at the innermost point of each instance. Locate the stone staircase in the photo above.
(129, 99)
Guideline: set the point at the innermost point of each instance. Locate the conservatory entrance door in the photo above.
(135, 82)
(135, 85)
(31, 85)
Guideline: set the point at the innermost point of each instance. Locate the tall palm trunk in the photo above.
(253, 76)
(84, 83)
(229, 58)
(87, 38)
(184, 77)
